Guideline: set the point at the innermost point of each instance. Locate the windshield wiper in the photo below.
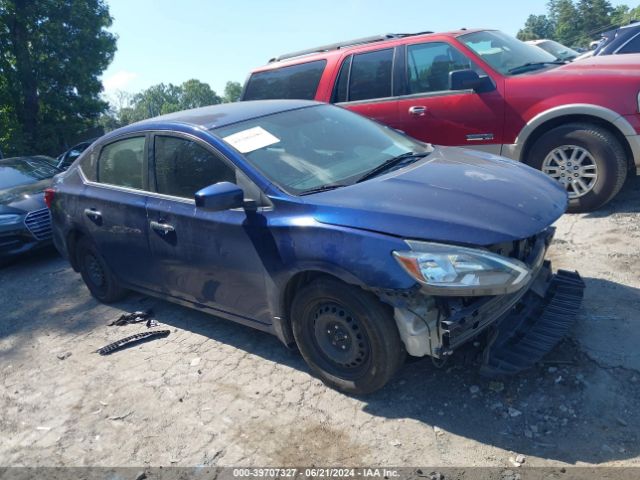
(322, 188)
(389, 164)
(527, 66)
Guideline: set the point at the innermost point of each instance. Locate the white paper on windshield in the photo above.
(252, 139)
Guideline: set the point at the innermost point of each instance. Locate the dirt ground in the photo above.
(217, 393)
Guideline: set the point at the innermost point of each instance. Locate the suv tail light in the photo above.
(48, 196)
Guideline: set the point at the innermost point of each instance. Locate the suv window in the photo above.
(183, 167)
(295, 82)
(429, 65)
(370, 75)
(121, 163)
(633, 46)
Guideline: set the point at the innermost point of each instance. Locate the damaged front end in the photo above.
(516, 312)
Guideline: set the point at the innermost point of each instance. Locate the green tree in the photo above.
(232, 92)
(157, 100)
(622, 15)
(564, 15)
(197, 94)
(537, 27)
(594, 17)
(52, 53)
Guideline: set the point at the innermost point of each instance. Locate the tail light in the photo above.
(49, 193)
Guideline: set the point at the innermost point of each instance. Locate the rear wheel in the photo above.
(586, 159)
(96, 273)
(346, 335)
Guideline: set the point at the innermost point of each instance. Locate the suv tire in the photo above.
(347, 336)
(96, 273)
(587, 159)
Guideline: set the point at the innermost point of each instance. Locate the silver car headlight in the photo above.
(459, 271)
(9, 219)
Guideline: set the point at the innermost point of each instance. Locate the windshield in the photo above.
(504, 53)
(558, 50)
(24, 170)
(306, 149)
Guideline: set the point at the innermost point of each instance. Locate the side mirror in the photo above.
(468, 79)
(220, 196)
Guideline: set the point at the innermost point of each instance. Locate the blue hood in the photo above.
(454, 195)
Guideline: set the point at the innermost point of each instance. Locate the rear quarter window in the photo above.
(298, 82)
(89, 164)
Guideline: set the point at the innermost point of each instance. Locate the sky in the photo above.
(168, 41)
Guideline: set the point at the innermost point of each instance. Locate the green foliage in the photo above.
(536, 27)
(52, 53)
(232, 92)
(577, 23)
(158, 100)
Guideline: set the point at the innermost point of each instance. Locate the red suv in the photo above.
(577, 122)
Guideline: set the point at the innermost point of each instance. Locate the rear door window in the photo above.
(294, 82)
(183, 167)
(121, 163)
(370, 75)
(633, 46)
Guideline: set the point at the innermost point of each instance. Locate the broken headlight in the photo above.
(460, 271)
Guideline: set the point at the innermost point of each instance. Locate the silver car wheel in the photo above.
(573, 167)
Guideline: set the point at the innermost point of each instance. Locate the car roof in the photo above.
(225, 114)
(319, 53)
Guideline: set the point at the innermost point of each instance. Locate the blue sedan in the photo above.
(339, 235)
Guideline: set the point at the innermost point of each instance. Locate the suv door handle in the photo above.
(418, 110)
(93, 214)
(162, 228)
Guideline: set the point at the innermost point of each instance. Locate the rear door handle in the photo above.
(418, 110)
(93, 214)
(162, 228)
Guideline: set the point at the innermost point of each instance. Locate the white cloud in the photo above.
(118, 81)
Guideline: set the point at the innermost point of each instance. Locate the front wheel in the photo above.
(347, 336)
(586, 159)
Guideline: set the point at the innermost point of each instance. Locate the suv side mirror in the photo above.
(468, 79)
(220, 196)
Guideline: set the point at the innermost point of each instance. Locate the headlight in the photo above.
(459, 271)
(9, 219)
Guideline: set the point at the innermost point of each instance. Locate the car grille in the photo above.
(39, 223)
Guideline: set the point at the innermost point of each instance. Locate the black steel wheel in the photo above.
(346, 335)
(96, 273)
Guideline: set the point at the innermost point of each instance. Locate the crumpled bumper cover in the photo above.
(534, 326)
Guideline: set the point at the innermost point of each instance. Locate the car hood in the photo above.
(24, 198)
(599, 65)
(454, 195)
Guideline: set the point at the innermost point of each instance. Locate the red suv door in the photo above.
(432, 112)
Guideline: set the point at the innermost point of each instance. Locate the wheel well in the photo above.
(556, 122)
(295, 283)
(72, 240)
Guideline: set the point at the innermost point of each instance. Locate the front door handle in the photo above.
(418, 110)
(162, 228)
(93, 214)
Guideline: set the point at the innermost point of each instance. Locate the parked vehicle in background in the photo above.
(342, 236)
(556, 49)
(620, 41)
(25, 223)
(578, 123)
(65, 160)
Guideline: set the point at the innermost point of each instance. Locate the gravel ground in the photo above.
(217, 393)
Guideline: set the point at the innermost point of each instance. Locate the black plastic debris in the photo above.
(135, 317)
(131, 340)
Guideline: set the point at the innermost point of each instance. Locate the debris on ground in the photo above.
(128, 341)
(63, 356)
(496, 386)
(135, 317)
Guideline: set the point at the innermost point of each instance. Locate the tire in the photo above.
(602, 169)
(96, 273)
(347, 336)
